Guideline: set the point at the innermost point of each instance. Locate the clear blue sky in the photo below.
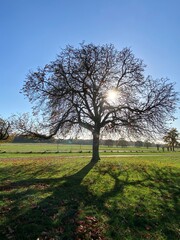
(32, 32)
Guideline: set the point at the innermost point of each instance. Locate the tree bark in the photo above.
(95, 147)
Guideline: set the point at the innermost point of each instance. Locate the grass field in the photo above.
(55, 196)
(49, 148)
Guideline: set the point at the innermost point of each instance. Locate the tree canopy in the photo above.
(100, 89)
(171, 138)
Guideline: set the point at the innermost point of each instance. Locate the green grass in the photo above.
(31, 150)
(42, 147)
(49, 148)
(66, 197)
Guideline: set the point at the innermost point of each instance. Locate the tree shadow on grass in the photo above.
(53, 215)
(132, 208)
(153, 210)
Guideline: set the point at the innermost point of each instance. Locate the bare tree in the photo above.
(4, 129)
(171, 138)
(97, 88)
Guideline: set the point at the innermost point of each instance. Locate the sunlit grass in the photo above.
(130, 197)
(70, 148)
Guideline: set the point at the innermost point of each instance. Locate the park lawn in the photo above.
(53, 197)
(34, 150)
(42, 147)
(53, 147)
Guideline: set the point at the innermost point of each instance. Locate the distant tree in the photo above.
(20, 138)
(157, 146)
(122, 142)
(100, 89)
(171, 138)
(4, 129)
(138, 144)
(108, 142)
(147, 144)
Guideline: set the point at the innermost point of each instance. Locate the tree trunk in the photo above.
(95, 147)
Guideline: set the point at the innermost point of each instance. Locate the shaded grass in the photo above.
(70, 198)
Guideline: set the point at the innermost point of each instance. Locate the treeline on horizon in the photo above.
(107, 142)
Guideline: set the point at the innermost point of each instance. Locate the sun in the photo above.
(112, 96)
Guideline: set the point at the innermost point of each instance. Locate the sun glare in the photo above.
(112, 96)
